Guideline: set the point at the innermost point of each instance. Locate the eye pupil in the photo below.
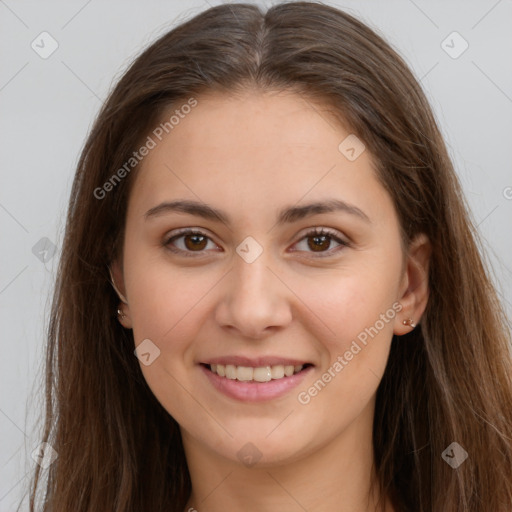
(324, 243)
(195, 244)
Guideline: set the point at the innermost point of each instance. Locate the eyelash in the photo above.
(312, 233)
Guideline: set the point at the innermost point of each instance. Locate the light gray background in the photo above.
(47, 107)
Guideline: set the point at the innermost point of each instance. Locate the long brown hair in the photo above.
(449, 380)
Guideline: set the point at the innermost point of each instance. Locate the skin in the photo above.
(251, 155)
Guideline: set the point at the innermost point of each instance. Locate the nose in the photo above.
(255, 302)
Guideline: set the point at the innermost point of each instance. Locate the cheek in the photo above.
(158, 291)
(357, 357)
(166, 303)
(348, 304)
(168, 309)
(357, 314)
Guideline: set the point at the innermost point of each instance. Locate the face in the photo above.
(254, 282)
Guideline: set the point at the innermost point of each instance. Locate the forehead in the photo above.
(256, 149)
(254, 125)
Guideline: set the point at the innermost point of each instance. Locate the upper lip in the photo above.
(256, 362)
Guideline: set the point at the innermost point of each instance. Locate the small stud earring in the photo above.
(410, 322)
(120, 313)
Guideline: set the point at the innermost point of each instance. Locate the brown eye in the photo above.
(195, 241)
(319, 241)
(187, 242)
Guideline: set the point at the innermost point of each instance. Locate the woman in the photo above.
(271, 295)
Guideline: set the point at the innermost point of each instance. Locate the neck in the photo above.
(336, 476)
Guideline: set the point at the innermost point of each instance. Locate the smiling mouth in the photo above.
(258, 374)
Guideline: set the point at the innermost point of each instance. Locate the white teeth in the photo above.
(259, 374)
(262, 374)
(244, 373)
(230, 371)
(277, 371)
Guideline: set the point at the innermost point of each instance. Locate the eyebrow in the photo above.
(286, 216)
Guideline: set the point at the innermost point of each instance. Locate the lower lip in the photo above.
(255, 391)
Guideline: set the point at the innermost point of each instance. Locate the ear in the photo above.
(117, 280)
(414, 290)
